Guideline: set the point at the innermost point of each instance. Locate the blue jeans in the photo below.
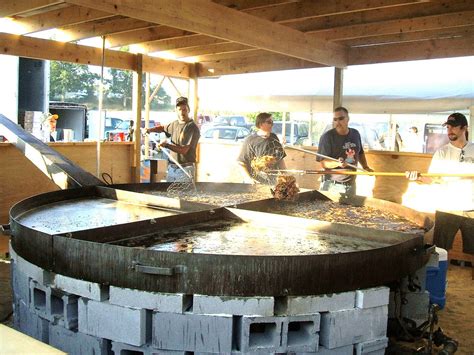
(334, 187)
(175, 174)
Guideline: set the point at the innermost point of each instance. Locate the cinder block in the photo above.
(261, 306)
(91, 290)
(372, 297)
(32, 271)
(104, 320)
(372, 347)
(20, 284)
(300, 333)
(76, 343)
(320, 303)
(162, 302)
(260, 334)
(53, 305)
(192, 332)
(416, 305)
(29, 323)
(346, 327)
(343, 350)
(126, 349)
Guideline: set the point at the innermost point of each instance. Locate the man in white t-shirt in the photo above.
(456, 194)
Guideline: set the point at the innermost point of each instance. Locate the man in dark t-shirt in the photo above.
(263, 143)
(184, 135)
(345, 145)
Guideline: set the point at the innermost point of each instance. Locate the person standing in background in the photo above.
(131, 130)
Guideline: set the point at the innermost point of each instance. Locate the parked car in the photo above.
(230, 121)
(299, 133)
(111, 123)
(224, 134)
(120, 133)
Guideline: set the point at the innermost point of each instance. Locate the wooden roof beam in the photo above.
(71, 15)
(440, 48)
(411, 36)
(101, 27)
(381, 15)
(206, 17)
(458, 19)
(30, 47)
(251, 4)
(150, 34)
(11, 8)
(251, 64)
(183, 42)
(315, 8)
(202, 50)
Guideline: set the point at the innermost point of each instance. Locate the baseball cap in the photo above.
(181, 101)
(456, 119)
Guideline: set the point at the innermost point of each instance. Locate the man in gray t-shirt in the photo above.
(184, 134)
(344, 144)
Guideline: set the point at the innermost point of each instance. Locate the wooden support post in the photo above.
(471, 138)
(147, 113)
(194, 92)
(338, 87)
(137, 110)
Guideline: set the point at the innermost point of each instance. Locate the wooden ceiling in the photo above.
(206, 38)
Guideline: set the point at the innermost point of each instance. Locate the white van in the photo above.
(295, 131)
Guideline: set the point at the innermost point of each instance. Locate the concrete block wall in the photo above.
(54, 305)
(79, 316)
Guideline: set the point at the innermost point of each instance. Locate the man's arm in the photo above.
(157, 129)
(363, 163)
(246, 174)
(180, 149)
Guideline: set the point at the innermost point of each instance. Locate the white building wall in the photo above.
(9, 89)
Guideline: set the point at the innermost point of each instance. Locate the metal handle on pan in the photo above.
(156, 270)
(5, 229)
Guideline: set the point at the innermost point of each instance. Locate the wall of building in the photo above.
(20, 179)
(9, 91)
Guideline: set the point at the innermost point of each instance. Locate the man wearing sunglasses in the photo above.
(263, 143)
(345, 146)
(184, 135)
(454, 195)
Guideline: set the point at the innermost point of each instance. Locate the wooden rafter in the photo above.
(183, 42)
(71, 15)
(205, 17)
(440, 48)
(11, 8)
(435, 22)
(381, 15)
(411, 36)
(252, 63)
(149, 34)
(103, 27)
(305, 9)
(29, 47)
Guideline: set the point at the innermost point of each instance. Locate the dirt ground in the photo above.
(456, 319)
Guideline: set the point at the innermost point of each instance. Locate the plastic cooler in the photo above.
(436, 279)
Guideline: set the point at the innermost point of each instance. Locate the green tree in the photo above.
(72, 82)
(121, 89)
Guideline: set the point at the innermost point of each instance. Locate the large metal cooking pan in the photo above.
(422, 220)
(92, 254)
